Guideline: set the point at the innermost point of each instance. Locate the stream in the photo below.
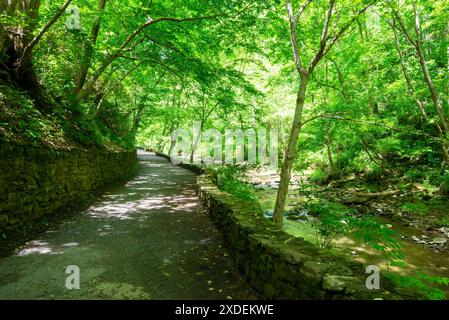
(417, 256)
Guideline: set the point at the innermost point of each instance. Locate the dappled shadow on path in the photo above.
(146, 239)
(160, 187)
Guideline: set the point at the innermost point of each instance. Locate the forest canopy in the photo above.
(358, 87)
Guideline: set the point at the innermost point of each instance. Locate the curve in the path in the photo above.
(149, 239)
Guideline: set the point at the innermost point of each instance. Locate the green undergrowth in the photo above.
(63, 128)
(229, 179)
(427, 285)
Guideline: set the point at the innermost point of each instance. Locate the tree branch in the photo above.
(346, 27)
(302, 9)
(322, 116)
(86, 89)
(404, 30)
(49, 24)
(293, 38)
(324, 36)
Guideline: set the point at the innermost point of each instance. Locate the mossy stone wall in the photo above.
(37, 181)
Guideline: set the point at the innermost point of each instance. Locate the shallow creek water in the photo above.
(417, 256)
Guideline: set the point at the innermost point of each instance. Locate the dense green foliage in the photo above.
(422, 283)
(362, 100)
(140, 59)
(229, 179)
(233, 68)
(21, 121)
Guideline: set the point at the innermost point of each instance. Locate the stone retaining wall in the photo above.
(279, 265)
(37, 181)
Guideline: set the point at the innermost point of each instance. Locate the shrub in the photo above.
(418, 207)
(334, 219)
(227, 178)
(444, 186)
(318, 176)
(415, 175)
(375, 175)
(331, 220)
(377, 236)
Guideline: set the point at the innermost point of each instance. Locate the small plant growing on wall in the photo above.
(228, 178)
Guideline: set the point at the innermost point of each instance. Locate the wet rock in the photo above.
(297, 218)
(313, 271)
(415, 239)
(262, 186)
(445, 231)
(336, 283)
(439, 241)
(206, 242)
(269, 213)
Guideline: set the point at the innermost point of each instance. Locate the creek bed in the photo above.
(417, 256)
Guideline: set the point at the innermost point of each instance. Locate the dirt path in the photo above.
(146, 240)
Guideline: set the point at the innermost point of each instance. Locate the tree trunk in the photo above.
(435, 96)
(86, 62)
(17, 62)
(330, 159)
(443, 128)
(291, 151)
(172, 142)
(418, 102)
(362, 197)
(196, 142)
(17, 43)
(422, 61)
(161, 144)
(7, 8)
(137, 120)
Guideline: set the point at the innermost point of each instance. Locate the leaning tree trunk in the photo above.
(137, 121)
(86, 62)
(291, 151)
